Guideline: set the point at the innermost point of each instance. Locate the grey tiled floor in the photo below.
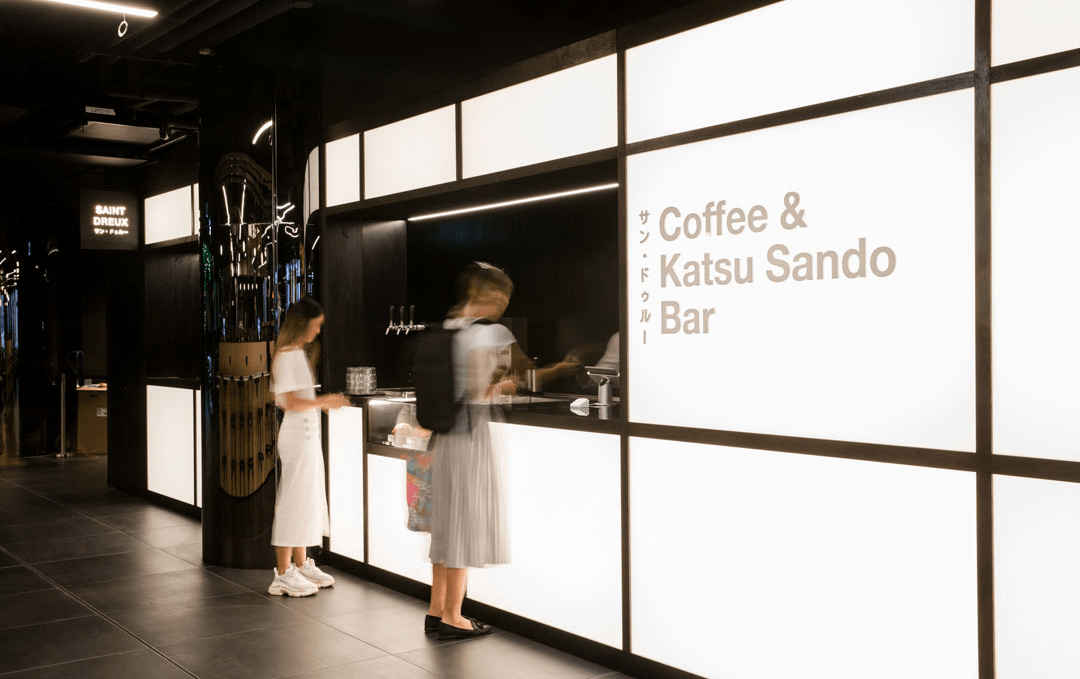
(95, 583)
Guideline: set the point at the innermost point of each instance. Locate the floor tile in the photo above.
(162, 589)
(202, 618)
(255, 579)
(272, 652)
(348, 595)
(146, 517)
(501, 656)
(60, 528)
(394, 629)
(43, 550)
(192, 553)
(170, 536)
(145, 664)
(386, 667)
(19, 579)
(12, 498)
(55, 642)
(107, 499)
(41, 514)
(112, 567)
(33, 608)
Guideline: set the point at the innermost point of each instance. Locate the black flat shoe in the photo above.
(451, 632)
(431, 623)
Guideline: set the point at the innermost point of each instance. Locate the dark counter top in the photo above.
(558, 414)
(536, 410)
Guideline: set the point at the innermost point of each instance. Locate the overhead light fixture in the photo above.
(109, 7)
(264, 128)
(533, 199)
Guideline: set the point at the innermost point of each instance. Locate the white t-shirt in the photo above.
(478, 350)
(290, 373)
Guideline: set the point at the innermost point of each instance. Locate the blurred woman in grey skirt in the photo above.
(469, 527)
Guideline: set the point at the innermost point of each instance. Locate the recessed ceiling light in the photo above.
(519, 201)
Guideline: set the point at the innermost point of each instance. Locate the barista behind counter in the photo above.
(576, 380)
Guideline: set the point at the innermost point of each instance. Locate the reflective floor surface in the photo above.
(96, 584)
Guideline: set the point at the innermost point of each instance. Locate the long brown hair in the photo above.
(293, 328)
(475, 280)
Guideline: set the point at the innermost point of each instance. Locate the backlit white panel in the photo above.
(736, 321)
(565, 568)
(345, 441)
(558, 115)
(311, 184)
(791, 54)
(748, 563)
(411, 154)
(169, 216)
(170, 442)
(392, 546)
(1035, 176)
(343, 171)
(1023, 29)
(1036, 591)
(198, 439)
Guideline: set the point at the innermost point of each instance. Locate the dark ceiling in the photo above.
(76, 97)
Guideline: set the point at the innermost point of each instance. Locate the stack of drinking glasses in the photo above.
(360, 380)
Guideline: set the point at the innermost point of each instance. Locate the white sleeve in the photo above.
(290, 372)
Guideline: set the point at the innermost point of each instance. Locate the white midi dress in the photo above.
(301, 516)
(469, 510)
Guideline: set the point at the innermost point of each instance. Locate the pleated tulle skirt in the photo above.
(469, 513)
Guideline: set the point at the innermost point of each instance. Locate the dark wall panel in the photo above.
(173, 315)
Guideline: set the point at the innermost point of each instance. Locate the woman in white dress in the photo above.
(301, 518)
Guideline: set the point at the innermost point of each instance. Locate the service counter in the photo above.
(565, 509)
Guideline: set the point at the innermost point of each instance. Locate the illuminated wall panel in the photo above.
(565, 568)
(311, 184)
(345, 441)
(391, 545)
(197, 416)
(791, 54)
(745, 326)
(1036, 591)
(1036, 142)
(1023, 29)
(411, 154)
(170, 442)
(170, 215)
(749, 563)
(563, 114)
(343, 171)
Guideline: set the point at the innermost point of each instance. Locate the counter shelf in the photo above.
(536, 410)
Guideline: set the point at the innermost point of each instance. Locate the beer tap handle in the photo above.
(412, 319)
(391, 325)
(401, 315)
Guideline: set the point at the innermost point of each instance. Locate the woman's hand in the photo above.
(332, 401)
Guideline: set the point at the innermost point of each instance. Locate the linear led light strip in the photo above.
(109, 7)
(533, 199)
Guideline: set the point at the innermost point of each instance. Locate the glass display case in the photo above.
(391, 422)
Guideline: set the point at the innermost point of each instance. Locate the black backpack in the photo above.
(433, 377)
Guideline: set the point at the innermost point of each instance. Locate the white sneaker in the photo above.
(292, 583)
(310, 571)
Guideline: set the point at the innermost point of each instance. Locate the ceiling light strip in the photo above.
(109, 7)
(533, 199)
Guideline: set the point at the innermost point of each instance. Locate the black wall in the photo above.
(561, 254)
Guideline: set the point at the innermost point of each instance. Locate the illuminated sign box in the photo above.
(109, 220)
(814, 279)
